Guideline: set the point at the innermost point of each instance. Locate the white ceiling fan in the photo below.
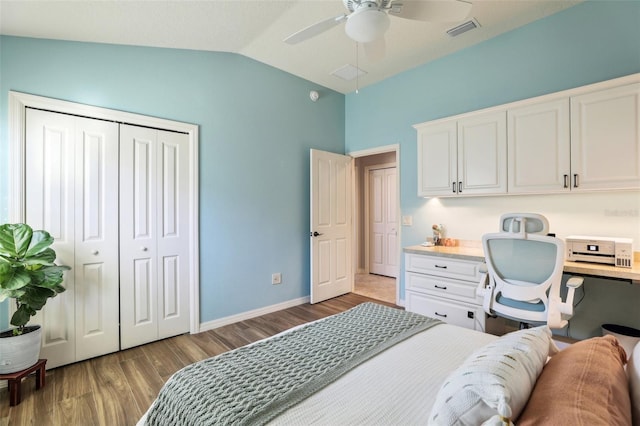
(369, 19)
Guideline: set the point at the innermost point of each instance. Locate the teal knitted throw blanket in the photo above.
(254, 384)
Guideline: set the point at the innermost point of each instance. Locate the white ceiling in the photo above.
(256, 28)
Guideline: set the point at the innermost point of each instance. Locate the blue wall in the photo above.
(587, 43)
(257, 125)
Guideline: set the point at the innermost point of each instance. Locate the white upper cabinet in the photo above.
(582, 139)
(464, 156)
(438, 159)
(482, 154)
(605, 139)
(538, 143)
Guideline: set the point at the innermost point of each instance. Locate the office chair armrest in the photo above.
(575, 282)
(482, 283)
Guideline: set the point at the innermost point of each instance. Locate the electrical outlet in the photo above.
(276, 278)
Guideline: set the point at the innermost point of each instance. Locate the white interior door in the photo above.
(154, 235)
(331, 225)
(383, 231)
(71, 191)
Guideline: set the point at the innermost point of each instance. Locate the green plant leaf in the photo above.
(45, 257)
(40, 241)
(36, 297)
(50, 276)
(15, 239)
(15, 279)
(22, 315)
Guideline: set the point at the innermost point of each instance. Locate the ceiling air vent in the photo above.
(463, 28)
(348, 72)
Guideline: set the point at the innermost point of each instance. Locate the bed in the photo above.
(375, 364)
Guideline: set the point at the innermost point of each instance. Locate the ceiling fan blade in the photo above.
(375, 50)
(314, 30)
(431, 10)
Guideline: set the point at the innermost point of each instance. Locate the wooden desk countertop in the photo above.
(474, 252)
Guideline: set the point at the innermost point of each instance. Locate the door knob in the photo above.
(315, 234)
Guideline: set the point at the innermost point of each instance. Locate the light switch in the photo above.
(407, 220)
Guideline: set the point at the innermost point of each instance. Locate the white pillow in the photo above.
(496, 380)
(633, 370)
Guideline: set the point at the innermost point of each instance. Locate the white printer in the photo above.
(608, 250)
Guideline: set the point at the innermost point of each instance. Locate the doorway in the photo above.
(384, 284)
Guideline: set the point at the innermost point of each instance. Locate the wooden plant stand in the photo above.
(15, 380)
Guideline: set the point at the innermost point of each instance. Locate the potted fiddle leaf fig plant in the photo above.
(29, 276)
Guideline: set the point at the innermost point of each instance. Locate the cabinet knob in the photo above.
(453, 186)
(575, 180)
(441, 315)
(144, 248)
(566, 181)
(460, 187)
(95, 252)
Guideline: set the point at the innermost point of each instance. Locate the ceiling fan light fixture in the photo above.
(367, 25)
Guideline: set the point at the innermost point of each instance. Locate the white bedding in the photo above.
(398, 386)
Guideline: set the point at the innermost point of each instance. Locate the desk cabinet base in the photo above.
(455, 312)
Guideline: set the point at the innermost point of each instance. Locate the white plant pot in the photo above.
(20, 352)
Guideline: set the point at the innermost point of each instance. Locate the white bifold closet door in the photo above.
(72, 192)
(154, 234)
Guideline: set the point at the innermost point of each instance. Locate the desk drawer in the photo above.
(442, 266)
(443, 287)
(467, 316)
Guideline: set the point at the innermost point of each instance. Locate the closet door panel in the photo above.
(173, 238)
(49, 189)
(96, 260)
(138, 225)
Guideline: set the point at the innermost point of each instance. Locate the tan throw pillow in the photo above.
(584, 384)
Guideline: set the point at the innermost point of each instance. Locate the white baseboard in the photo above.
(210, 325)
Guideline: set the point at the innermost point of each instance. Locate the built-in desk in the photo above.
(474, 253)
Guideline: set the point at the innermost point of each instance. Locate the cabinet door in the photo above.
(605, 139)
(437, 159)
(482, 154)
(538, 143)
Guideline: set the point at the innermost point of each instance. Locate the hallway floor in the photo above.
(376, 287)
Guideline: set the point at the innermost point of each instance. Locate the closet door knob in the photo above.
(95, 252)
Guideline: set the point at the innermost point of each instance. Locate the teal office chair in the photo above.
(525, 273)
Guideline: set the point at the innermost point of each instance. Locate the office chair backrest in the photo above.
(533, 223)
(525, 271)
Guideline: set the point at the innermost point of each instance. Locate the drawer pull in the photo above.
(441, 315)
(441, 266)
(440, 287)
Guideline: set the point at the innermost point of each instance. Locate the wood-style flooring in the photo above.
(117, 389)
